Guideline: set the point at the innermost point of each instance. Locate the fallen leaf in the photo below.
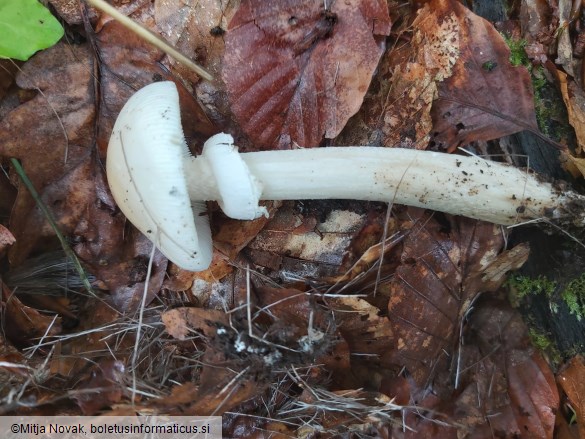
(574, 99)
(497, 385)
(366, 332)
(96, 321)
(204, 22)
(524, 392)
(564, 47)
(434, 287)
(231, 236)
(295, 72)
(55, 125)
(315, 253)
(485, 97)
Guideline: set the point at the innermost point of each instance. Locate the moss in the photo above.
(518, 55)
(546, 109)
(574, 296)
(543, 343)
(539, 340)
(522, 286)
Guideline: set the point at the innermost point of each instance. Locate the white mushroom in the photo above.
(146, 173)
(160, 187)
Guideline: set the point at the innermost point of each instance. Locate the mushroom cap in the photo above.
(145, 168)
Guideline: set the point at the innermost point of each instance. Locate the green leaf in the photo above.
(26, 27)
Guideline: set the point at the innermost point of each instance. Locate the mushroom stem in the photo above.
(159, 186)
(468, 186)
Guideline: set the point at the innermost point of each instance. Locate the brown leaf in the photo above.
(232, 236)
(524, 391)
(75, 191)
(486, 97)
(51, 134)
(497, 386)
(572, 381)
(574, 99)
(181, 24)
(361, 325)
(433, 287)
(115, 253)
(96, 322)
(295, 73)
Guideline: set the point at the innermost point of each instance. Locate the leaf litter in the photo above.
(284, 333)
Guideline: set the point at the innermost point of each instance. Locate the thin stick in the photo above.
(147, 35)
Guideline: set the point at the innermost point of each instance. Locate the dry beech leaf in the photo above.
(574, 99)
(362, 327)
(75, 190)
(436, 284)
(485, 97)
(498, 385)
(564, 47)
(295, 72)
(70, 359)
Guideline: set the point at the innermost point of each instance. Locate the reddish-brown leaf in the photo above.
(436, 285)
(180, 322)
(524, 392)
(295, 72)
(497, 385)
(485, 97)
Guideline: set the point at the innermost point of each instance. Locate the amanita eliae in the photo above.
(161, 187)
